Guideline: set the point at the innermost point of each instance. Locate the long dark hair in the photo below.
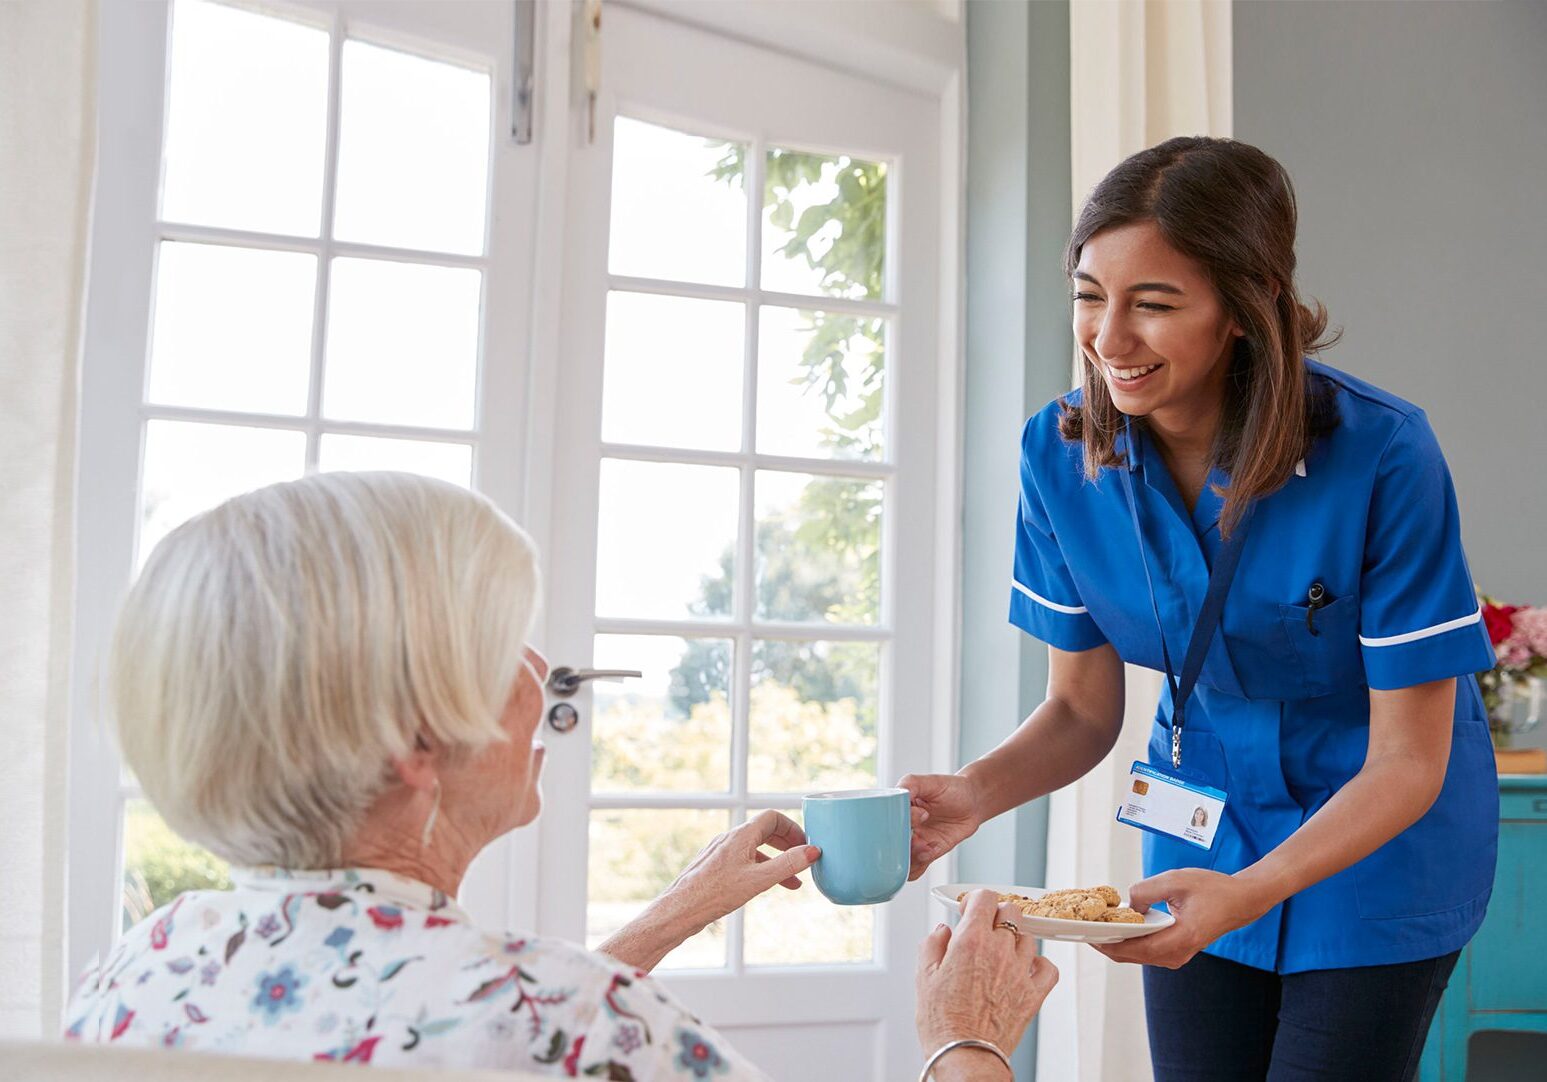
(1231, 208)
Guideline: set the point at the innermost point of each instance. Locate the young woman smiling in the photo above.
(1210, 486)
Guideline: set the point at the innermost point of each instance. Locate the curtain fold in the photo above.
(1141, 71)
(47, 139)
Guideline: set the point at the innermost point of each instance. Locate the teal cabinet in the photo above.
(1501, 979)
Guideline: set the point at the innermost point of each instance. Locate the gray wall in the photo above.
(1416, 134)
(1018, 350)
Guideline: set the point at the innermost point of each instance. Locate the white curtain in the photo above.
(47, 137)
(1141, 72)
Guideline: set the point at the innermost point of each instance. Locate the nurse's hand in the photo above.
(945, 814)
(1205, 904)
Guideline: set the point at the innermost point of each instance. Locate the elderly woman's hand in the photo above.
(729, 872)
(732, 869)
(980, 981)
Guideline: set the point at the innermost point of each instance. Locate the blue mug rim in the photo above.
(854, 794)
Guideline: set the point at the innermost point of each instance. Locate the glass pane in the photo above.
(246, 121)
(800, 927)
(159, 865)
(449, 461)
(669, 730)
(679, 206)
(673, 371)
(233, 328)
(192, 467)
(413, 152)
(636, 854)
(812, 725)
(824, 225)
(666, 540)
(820, 390)
(402, 344)
(818, 548)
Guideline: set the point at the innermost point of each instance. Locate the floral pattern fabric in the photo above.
(362, 966)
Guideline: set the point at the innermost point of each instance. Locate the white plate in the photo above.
(1066, 931)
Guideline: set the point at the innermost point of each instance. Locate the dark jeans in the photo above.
(1219, 1021)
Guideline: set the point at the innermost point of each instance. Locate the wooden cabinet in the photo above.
(1501, 979)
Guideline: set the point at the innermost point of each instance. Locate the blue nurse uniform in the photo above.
(1281, 714)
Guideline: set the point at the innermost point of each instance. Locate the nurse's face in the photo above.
(1150, 321)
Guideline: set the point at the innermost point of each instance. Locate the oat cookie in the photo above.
(1121, 914)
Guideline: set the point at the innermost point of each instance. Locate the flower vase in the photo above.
(1518, 710)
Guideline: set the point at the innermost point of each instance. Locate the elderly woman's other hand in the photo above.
(729, 872)
(981, 981)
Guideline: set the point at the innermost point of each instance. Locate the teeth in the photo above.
(1125, 374)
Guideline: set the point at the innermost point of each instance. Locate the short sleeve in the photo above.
(1418, 617)
(1043, 598)
(642, 1033)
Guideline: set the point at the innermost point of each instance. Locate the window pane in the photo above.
(820, 391)
(669, 730)
(413, 152)
(192, 467)
(818, 548)
(402, 344)
(448, 461)
(159, 865)
(233, 328)
(824, 225)
(679, 206)
(673, 372)
(812, 724)
(246, 121)
(800, 927)
(666, 540)
(636, 854)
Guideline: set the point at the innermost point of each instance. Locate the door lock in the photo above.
(563, 717)
(564, 682)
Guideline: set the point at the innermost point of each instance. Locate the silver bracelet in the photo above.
(965, 1042)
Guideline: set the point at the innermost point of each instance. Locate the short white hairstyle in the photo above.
(278, 651)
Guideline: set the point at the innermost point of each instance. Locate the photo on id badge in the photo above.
(1172, 805)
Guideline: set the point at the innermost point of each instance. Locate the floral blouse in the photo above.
(363, 966)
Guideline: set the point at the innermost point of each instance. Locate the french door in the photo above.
(310, 250)
(690, 339)
(742, 509)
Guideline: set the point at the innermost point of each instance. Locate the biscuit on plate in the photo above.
(1121, 914)
(1109, 894)
(1068, 907)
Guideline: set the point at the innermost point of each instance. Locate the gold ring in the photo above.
(1007, 926)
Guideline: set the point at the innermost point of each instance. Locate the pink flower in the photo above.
(1531, 630)
(1513, 653)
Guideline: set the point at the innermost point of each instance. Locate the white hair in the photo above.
(279, 651)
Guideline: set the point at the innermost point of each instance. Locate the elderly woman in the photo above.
(327, 683)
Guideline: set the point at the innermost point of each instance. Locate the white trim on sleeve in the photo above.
(1423, 633)
(1068, 610)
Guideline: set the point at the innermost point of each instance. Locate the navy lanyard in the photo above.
(1225, 562)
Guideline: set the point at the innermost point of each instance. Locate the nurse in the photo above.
(1280, 538)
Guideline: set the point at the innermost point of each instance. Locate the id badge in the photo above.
(1166, 803)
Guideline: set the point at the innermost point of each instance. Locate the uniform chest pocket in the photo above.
(1325, 643)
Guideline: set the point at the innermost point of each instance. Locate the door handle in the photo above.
(563, 682)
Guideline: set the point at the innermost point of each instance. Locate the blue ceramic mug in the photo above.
(866, 838)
